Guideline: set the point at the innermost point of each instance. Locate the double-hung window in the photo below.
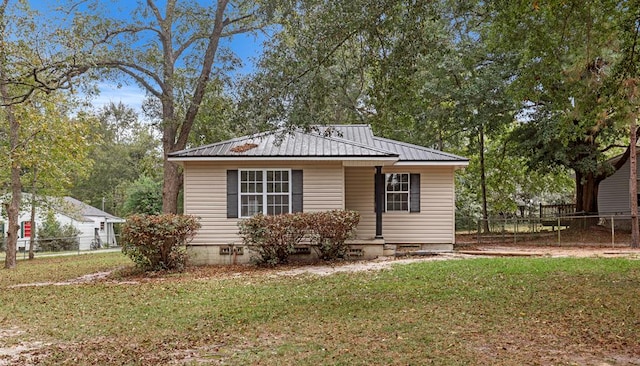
(397, 192)
(266, 191)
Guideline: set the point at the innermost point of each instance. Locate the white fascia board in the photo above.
(351, 163)
(284, 158)
(433, 163)
(115, 221)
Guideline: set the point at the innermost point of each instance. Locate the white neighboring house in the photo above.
(96, 227)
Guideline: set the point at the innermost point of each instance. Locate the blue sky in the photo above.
(247, 47)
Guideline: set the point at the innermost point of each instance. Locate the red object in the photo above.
(27, 229)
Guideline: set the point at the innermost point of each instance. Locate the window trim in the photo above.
(264, 192)
(408, 192)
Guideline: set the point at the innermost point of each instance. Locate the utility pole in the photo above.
(633, 183)
(633, 161)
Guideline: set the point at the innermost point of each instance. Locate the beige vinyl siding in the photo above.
(359, 190)
(433, 224)
(613, 193)
(206, 194)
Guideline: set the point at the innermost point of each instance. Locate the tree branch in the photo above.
(236, 20)
(241, 30)
(140, 80)
(126, 66)
(203, 78)
(155, 10)
(187, 43)
(623, 159)
(612, 146)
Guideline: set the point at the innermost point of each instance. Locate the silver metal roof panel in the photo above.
(334, 141)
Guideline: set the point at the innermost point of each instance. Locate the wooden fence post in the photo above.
(613, 233)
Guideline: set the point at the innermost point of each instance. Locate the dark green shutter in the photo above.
(414, 192)
(296, 191)
(232, 193)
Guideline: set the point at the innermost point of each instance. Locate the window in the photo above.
(397, 192)
(264, 191)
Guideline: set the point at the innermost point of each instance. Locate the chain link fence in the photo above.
(568, 230)
(75, 244)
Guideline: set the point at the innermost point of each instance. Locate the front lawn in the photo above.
(462, 312)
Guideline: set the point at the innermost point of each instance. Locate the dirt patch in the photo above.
(372, 265)
(18, 353)
(88, 278)
(551, 251)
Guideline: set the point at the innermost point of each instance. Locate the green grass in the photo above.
(482, 311)
(60, 268)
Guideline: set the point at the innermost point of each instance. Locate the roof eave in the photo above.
(457, 163)
(183, 159)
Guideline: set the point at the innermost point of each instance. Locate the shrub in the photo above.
(157, 242)
(274, 237)
(329, 231)
(53, 237)
(144, 196)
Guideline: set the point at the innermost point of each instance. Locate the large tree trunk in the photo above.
(13, 211)
(13, 208)
(32, 238)
(586, 199)
(178, 134)
(587, 192)
(171, 187)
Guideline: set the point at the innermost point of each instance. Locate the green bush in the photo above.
(273, 238)
(157, 242)
(329, 231)
(52, 236)
(144, 196)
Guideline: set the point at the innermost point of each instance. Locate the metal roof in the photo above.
(410, 152)
(333, 141)
(360, 133)
(405, 151)
(284, 144)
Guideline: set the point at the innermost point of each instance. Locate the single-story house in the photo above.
(405, 193)
(96, 227)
